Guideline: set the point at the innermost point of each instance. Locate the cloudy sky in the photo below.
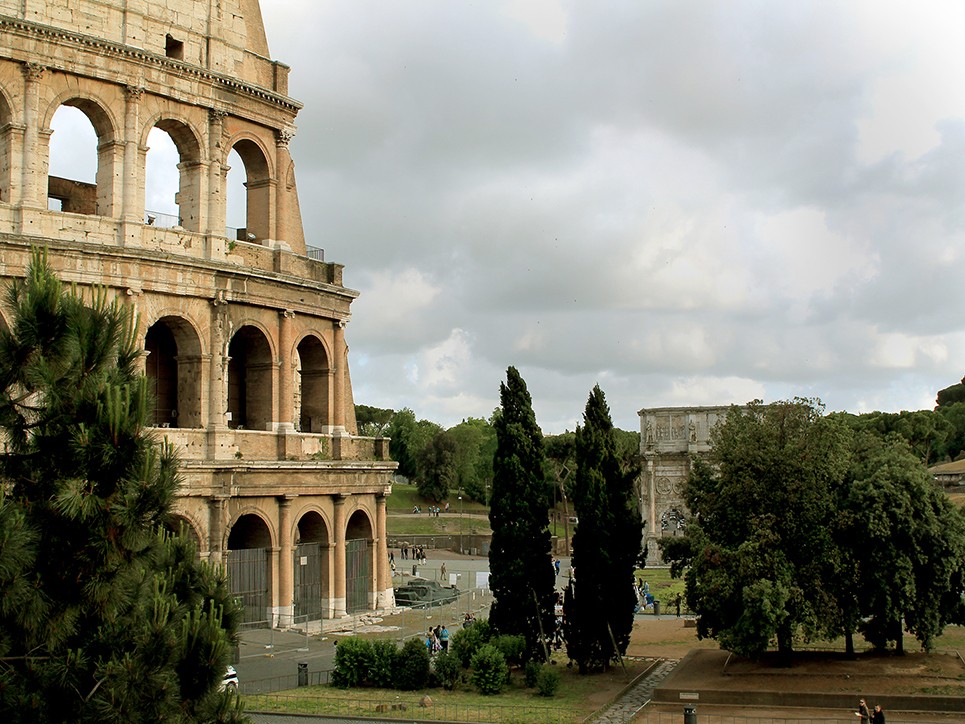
(689, 203)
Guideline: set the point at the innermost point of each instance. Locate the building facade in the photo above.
(670, 437)
(243, 330)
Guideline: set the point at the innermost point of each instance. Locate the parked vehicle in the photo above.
(423, 592)
(230, 679)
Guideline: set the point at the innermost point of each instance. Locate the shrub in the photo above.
(446, 667)
(548, 681)
(489, 670)
(530, 672)
(468, 640)
(410, 669)
(511, 647)
(380, 666)
(353, 657)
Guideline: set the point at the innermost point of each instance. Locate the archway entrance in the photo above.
(311, 569)
(358, 563)
(249, 567)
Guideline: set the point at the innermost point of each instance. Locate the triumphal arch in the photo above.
(670, 438)
(243, 329)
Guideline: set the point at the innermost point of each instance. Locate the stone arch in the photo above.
(179, 521)
(249, 565)
(313, 383)
(188, 142)
(79, 197)
(359, 562)
(672, 521)
(259, 178)
(312, 566)
(173, 368)
(6, 132)
(250, 366)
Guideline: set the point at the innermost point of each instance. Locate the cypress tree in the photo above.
(521, 571)
(105, 616)
(599, 603)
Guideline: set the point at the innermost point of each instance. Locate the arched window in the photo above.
(173, 368)
(249, 380)
(72, 177)
(313, 383)
(257, 194)
(172, 172)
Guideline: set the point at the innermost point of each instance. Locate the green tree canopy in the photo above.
(373, 421)
(475, 440)
(409, 437)
(103, 616)
(521, 571)
(599, 609)
(758, 537)
(437, 467)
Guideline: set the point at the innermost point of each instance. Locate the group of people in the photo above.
(433, 510)
(875, 716)
(437, 639)
(418, 554)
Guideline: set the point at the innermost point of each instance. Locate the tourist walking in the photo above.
(862, 713)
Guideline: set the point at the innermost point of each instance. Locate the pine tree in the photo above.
(522, 578)
(599, 604)
(104, 615)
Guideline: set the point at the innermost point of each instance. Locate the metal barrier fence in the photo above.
(666, 717)
(284, 683)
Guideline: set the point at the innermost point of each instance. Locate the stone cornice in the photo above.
(176, 67)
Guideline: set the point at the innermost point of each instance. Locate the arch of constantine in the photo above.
(243, 330)
(669, 439)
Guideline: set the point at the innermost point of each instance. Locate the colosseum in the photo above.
(243, 329)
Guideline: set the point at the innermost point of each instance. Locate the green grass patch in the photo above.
(576, 698)
(405, 496)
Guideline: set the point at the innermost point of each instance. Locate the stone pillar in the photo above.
(286, 396)
(33, 177)
(193, 188)
(339, 599)
(132, 203)
(286, 562)
(339, 364)
(217, 173)
(281, 231)
(216, 509)
(384, 597)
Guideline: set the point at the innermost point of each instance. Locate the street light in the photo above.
(460, 523)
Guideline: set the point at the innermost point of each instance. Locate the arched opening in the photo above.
(161, 181)
(72, 165)
(173, 176)
(312, 570)
(249, 380)
(6, 130)
(249, 567)
(359, 549)
(236, 201)
(257, 192)
(314, 376)
(180, 525)
(173, 369)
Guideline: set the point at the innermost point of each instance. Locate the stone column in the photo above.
(286, 561)
(383, 580)
(338, 563)
(33, 177)
(216, 508)
(283, 137)
(286, 399)
(132, 209)
(340, 363)
(217, 200)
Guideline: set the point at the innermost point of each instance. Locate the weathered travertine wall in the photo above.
(244, 340)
